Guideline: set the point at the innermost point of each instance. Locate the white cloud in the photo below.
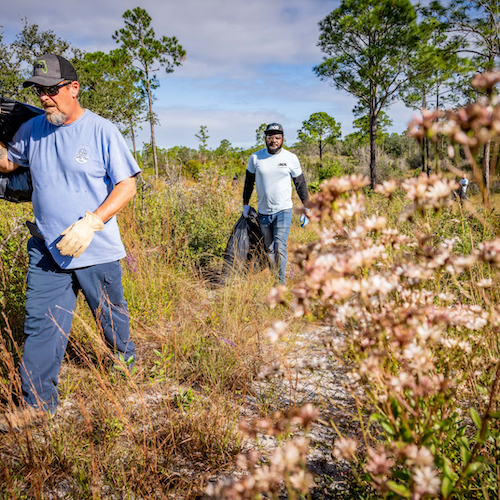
(180, 124)
(248, 62)
(220, 36)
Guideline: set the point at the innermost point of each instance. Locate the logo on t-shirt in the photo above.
(82, 154)
(281, 165)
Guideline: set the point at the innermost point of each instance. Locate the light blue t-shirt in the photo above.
(272, 179)
(73, 168)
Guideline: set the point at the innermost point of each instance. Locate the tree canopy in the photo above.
(138, 38)
(320, 129)
(369, 44)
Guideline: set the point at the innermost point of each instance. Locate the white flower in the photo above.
(276, 332)
(425, 332)
(345, 448)
(447, 297)
(402, 381)
(386, 188)
(419, 456)
(426, 480)
(485, 283)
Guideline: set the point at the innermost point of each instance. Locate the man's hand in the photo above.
(6, 165)
(246, 209)
(304, 219)
(77, 237)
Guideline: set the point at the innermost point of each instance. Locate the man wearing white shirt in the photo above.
(270, 170)
(464, 183)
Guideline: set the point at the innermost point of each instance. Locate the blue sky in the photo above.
(248, 62)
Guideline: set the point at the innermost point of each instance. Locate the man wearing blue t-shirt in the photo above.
(270, 170)
(83, 175)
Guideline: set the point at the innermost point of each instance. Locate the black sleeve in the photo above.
(248, 189)
(301, 187)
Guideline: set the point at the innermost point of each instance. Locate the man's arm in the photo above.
(248, 189)
(121, 194)
(301, 187)
(77, 237)
(6, 165)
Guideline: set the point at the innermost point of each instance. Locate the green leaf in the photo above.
(429, 434)
(446, 487)
(448, 469)
(495, 415)
(402, 475)
(475, 417)
(400, 489)
(407, 435)
(465, 454)
(474, 468)
(388, 428)
(479, 439)
(464, 441)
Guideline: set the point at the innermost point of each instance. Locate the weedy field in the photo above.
(401, 286)
(172, 422)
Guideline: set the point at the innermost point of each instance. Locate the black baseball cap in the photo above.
(274, 128)
(50, 69)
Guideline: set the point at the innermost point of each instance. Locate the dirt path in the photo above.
(309, 375)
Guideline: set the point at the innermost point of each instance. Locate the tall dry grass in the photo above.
(170, 424)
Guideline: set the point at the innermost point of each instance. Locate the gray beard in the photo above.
(56, 119)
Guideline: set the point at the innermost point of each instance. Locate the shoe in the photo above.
(19, 419)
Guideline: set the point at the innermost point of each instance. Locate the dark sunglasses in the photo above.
(49, 90)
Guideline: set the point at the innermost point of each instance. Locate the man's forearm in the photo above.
(122, 193)
(248, 189)
(301, 187)
(6, 165)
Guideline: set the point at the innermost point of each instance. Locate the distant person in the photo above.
(235, 180)
(464, 183)
(83, 175)
(270, 169)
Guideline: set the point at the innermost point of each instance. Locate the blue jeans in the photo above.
(50, 302)
(275, 229)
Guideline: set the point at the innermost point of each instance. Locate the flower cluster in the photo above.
(287, 462)
(425, 126)
(471, 126)
(405, 339)
(486, 81)
(474, 124)
(428, 192)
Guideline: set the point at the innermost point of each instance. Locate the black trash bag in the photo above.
(245, 249)
(12, 115)
(15, 187)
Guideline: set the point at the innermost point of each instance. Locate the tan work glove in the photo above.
(78, 236)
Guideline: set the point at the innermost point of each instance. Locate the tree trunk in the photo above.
(486, 169)
(427, 154)
(133, 140)
(425, 147)
(320, 152)
(151, 122)
(373, 145)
